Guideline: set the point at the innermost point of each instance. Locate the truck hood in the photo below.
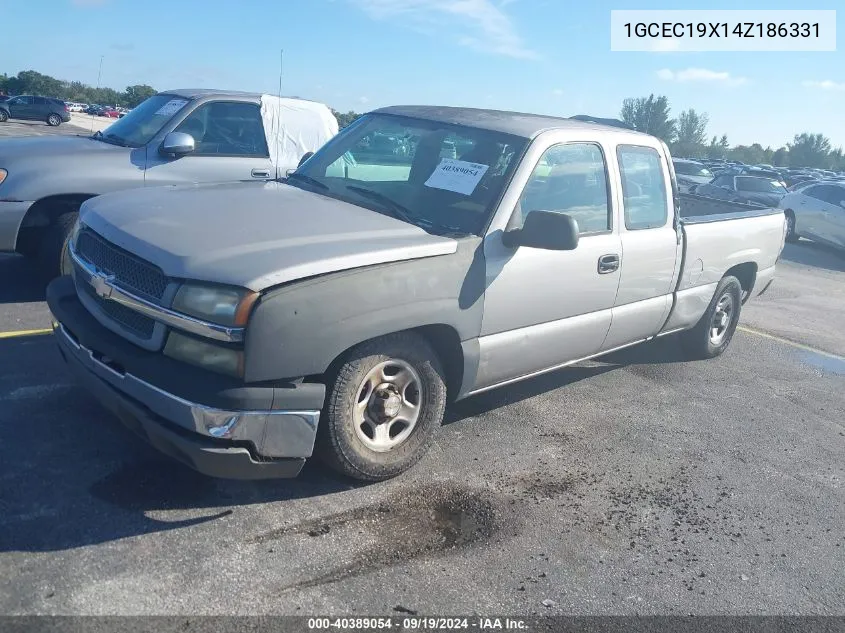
(253, 234)
(14, 150)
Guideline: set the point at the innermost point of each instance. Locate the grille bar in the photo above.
(131, 272)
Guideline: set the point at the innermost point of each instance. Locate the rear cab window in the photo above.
(644, 197)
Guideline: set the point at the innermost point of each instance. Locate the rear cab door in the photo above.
(651, 242)
(230, 145)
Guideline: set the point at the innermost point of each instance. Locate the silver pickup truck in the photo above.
(174, 137)
(423, 255)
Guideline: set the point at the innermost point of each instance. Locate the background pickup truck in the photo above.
(338, 311)
(175, 137)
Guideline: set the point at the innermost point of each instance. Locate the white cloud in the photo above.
(363, 100)
(480, 23)
(700, 74)
(827, 84)
(665, 45)
(557, 92)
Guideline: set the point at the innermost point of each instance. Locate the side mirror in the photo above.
(305, 157)
(544, 229)
(178, 144)
(842, 203)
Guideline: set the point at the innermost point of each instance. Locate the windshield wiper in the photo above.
(398, 210)
(112, 139)
(306, 178)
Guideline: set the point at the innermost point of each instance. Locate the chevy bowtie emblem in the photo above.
(102, 284)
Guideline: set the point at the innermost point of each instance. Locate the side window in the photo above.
(723, 181)
(40, 101)
(814, 191)
(643, 187)
(832, 194)
(226, 128)
(572, 179)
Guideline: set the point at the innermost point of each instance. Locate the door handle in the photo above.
(260, 173)
(608, 264)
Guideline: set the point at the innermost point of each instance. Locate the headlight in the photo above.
(3, 174)
(74, 232)
(218, 304)
(216, 358)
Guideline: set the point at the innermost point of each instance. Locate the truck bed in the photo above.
(697, 209)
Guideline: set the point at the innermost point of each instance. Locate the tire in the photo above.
(713, 333)
(791, 235)
(54, 120)
(53, 255)
(4, 116)
(352, 437)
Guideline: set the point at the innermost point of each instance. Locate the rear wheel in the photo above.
(714, 331)
(791, 235)
(384, 406)
(54, 120)
(54, 253)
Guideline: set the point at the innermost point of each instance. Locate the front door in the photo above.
(20, 107)
(544, 308)
(229, 145)
(831, 223)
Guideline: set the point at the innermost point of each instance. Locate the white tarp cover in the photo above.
(294, 127)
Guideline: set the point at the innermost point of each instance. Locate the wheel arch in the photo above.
(444, 341)
(45, 211)
(746, 273)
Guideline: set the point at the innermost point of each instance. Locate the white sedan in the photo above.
(816, 212)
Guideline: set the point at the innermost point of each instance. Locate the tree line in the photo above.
(32, 82)
(687, 136)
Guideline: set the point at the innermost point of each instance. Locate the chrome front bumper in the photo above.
(230, 444)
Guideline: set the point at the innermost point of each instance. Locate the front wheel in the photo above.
(713, 333)
(54, 253)
(384, 405)
(54, 120)
(3, 116)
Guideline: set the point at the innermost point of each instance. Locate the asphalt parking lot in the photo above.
(637, 484)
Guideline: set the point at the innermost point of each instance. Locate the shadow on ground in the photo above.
(21, 281)
(809, 253)
(72, 476)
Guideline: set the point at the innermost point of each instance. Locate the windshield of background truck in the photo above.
(435, 175)
(137, 127)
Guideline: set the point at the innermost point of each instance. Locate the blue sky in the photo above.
(545, 56)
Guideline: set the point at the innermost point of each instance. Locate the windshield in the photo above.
(444, 178)
(692, 169)
(142, 123)
(759, 185)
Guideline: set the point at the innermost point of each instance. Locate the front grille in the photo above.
(130, 272)
(136, 323)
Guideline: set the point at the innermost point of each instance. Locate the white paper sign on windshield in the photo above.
(171, 107)
(457, 175)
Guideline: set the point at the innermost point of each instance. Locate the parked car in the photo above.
(742, 188)
(111, 113)
(690, 174)
(176, 137)
(52, 111)
(243, 327)
(816, 212)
